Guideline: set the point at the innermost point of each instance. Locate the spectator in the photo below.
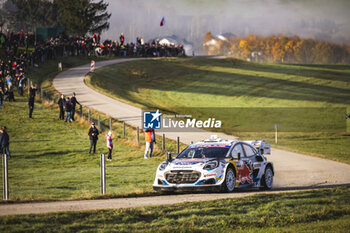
(74, 102)
(4, 141)
(93, 135)
(109, 145)
(61, 103)
(1, 98)
(122, 39)
(68, 108)
(20, 85)
(32, 92)
(150, 138)
(10, 94)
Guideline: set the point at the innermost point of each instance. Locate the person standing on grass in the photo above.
(32, 92)
(4, 142)
(109, 145)
(74, 102)
(20, 85)
(1, 98)
(150, 138)
(93, 135)
(68, 107)
(61, 103)
(11, 96)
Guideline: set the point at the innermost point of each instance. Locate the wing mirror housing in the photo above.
(169, 156)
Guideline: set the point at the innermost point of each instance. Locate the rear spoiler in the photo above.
(261, 146)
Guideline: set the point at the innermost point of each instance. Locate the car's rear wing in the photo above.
(261, 145)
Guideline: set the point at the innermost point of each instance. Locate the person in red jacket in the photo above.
(150, 138)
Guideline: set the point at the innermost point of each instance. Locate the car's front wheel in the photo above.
(267, 179)
(230, 181)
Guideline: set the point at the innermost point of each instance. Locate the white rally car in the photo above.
(217, 164)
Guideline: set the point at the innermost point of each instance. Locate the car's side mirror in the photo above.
(239, 156)
(169, 157)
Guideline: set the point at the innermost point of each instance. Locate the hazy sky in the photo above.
(191, 19)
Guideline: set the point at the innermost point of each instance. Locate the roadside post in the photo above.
(5, 176)
(99, 122)
(28, 85)
(163, 144)
(276, 132)
(110, 124)
(41, 93)
(60, 66)
(89, 115)
(138, 134)
(124, 129)
(81, 111)
(103, 174)
(178, 145)
(92, 66)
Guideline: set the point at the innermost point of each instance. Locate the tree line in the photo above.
(278, 49)
(79, 17)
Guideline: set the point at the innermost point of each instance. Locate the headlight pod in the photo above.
(211, 165)
(163, 166)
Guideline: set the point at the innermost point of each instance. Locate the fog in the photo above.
(191, 19)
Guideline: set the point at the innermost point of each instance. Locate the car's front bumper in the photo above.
(184, 188)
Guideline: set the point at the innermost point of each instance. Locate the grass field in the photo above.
(326, 210)
(309, 102)
(50, 159)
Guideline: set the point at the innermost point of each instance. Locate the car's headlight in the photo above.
(163, 166)
(211, 165)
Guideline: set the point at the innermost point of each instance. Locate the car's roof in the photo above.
(213, 143)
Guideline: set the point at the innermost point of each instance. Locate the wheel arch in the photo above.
(270, 165)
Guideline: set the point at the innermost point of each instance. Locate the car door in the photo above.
(254, 159)
(244, 173)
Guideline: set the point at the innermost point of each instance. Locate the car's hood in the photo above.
(188, 163)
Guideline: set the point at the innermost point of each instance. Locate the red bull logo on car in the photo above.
(244, 172)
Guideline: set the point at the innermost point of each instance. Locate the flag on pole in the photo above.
(162, 22)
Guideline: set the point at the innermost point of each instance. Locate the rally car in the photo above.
(223, 165)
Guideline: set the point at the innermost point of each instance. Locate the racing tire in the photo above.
(267, 179)
(229, 183)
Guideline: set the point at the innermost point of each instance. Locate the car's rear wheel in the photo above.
(230, 181)
(267, 179)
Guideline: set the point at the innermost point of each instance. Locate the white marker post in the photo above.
(103, 174)
(60, 66)
(277, 126)
(92, 67)
(5, 177)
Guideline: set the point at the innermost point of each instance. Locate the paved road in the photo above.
(118, 203)
(292, 170)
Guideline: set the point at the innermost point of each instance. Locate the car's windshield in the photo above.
(203, 152)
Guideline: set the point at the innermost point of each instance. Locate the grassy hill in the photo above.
(308, 102)
(50, 159)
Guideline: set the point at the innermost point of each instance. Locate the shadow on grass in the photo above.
(36, 154)
(259, 85)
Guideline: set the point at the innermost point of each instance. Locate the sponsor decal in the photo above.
(245, 172)
(210, 175)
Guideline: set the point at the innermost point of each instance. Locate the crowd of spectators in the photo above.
(22, 50)
(16, 54)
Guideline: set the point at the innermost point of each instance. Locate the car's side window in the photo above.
(237, 149)
(249, 151)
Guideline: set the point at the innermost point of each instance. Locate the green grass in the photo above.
(309, 102)
(50, 159)
(326, 210)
